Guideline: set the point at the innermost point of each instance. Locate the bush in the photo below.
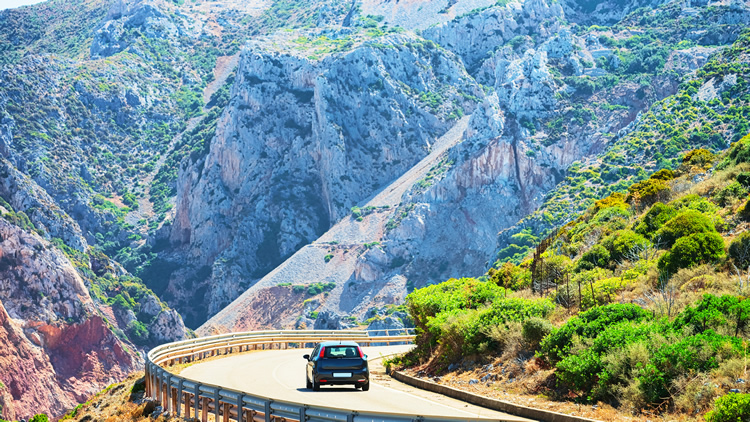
(663, 174)
(41, 417)
(739, 152)
(597, 256)
(534, 330)
(624, 244)
(648, 192)
(730, 408)
(744, 211)
(701, 158)
(684, 224)
(692, 250)
(616, 199)
(510, 276)
(739, 250)
(654, 219)
(730, 313)
(729, 193)
(137, 332)
(588, 324)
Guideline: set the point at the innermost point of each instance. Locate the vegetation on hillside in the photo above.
(689, 119)
(640, 302)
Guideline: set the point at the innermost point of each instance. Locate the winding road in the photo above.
(280, 375)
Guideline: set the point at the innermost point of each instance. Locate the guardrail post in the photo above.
(167, 390)
(175, 400)
(186, 398)
(197, 394)
(179, 398)
(225, 412)
(303, 414)
(267, 411)
(240, 405)
(204, 410)
(216, 405)
(350, 417)
(146, 378)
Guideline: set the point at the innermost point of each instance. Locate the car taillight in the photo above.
(322, 351)
(362, 355)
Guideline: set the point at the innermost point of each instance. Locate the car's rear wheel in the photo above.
(316, 386)
(308, 384)
(366, 386)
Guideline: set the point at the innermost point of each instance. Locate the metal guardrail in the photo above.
(183, 397)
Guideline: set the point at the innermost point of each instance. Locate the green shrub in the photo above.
(655, 218)
(624, 245)
(649, 192)
(694, 202)
(41, 417)
(739, 152)
(684, 224)
(692, 250)
(534, 330)
(729, 193)
(739, 250)
(588, 324)
(615, 214)
(663, 174)
(464, 331)
(743, 212)
(328, 257)
(616, 199)
(137, 332)
(701, 158)
(510, 276)
(728, 313)
(730, 408)
(597, 256)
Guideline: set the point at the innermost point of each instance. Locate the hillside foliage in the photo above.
(638, 304)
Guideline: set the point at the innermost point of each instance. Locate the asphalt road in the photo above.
(280, 375)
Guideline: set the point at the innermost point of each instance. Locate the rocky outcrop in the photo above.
(125, 17)
(475, 36)
(24, 195)
(352, 122)
(63, 349)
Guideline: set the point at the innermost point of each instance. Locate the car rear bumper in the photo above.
(328, 378)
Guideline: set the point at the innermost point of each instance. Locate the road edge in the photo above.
(490, 403)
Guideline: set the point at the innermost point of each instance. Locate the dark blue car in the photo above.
(337, 363)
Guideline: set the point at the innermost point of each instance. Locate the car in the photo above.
(337, 363)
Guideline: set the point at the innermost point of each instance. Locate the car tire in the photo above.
(308, 384)
(366, 386)
(316, 386)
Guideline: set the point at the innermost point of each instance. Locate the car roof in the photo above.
(339, 343)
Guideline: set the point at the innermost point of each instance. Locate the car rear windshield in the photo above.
(341, 352)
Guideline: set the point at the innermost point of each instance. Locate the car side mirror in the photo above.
(365, 357)
(306, 357)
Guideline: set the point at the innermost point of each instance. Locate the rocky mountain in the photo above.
(552, 94)
(277, 163)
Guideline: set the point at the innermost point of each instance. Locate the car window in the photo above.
(341, 352)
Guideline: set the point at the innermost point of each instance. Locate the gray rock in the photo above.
(167, 326)
(150, 306)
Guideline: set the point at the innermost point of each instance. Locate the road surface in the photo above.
(280, 375)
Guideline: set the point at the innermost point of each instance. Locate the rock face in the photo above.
(352, 122)
(441, 218)
(474, 37)
(58, 347)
